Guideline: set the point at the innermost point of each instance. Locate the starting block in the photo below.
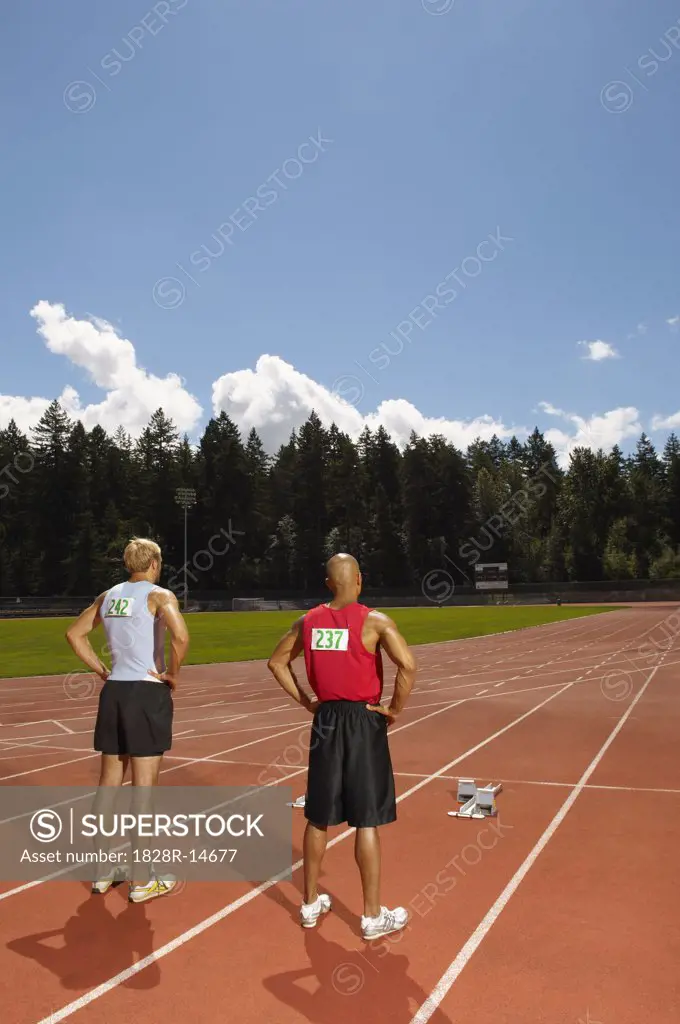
(477, 801)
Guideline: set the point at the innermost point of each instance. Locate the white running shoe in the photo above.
(388, 922)
(103, 884)
(155, 888)
(311, 912)
(300, 802)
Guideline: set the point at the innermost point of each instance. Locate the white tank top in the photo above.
(131, 630)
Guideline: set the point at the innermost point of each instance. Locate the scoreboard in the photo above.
(491, 576)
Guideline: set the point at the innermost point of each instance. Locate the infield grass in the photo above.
(37, 646)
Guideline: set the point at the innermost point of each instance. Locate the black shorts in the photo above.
(350, 770)
(134, 718)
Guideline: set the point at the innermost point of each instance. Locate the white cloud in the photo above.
(132, 393)
(276, 399)
(24, 411)
(673, 322)
(671, 422)
(602, 431)
(598, 350)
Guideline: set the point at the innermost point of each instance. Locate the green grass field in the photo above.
(37, 646)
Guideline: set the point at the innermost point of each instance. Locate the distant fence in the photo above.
(594, 591)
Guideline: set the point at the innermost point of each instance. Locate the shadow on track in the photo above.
(94, 945)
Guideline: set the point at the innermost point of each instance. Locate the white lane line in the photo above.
(40, 746)
(454, 970)
(220, 915)
(537, 782)
(480, 692)
(46, 767)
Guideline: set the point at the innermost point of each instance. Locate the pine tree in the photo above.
(646, 505)
(385, 548)
(157, 478)
(16, 463)
(283, 556)
(344, 493)
(48, 541)
(223, 496)
(309, 499)
(575, 511)
(671, 496)
(258, 510)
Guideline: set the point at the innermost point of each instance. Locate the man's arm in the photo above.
(159, 631)
(166, 605)
(77, 637)
(280, 665)
(397, 650)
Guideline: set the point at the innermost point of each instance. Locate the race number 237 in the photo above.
(330, 639)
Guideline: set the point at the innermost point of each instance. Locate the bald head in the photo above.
(343, 576)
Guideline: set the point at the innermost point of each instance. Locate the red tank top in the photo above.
(338, 665)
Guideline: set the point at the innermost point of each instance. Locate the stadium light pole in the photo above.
(186, 497)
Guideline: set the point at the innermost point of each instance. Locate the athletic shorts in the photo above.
(134, 718)
(350, 770)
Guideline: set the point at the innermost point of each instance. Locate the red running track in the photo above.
(562, 909)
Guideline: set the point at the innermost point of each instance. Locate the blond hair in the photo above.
(140, 553)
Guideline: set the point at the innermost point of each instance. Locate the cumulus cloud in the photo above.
(599, 350)
(602, 431)
(673, 322)
(133, 394)
(276, 399)
(24, 411)
(671, 422)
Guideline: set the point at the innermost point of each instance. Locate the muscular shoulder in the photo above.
(379, 620)
(159, 598)
(378, 623)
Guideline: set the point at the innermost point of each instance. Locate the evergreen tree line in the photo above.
(71, 498)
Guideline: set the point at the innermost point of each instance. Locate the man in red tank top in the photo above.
(350, 776)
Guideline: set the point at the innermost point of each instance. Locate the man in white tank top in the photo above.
(134, 719)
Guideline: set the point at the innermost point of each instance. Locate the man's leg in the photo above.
(111, 774)
(145, 772)
(371, 802)
(112, 769)
(367, 856)
(313, 850)
(323, 804)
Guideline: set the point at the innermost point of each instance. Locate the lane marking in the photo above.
(536, 782)
(46, 767)
(448, 979)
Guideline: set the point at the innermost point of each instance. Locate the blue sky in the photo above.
(133, 130)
